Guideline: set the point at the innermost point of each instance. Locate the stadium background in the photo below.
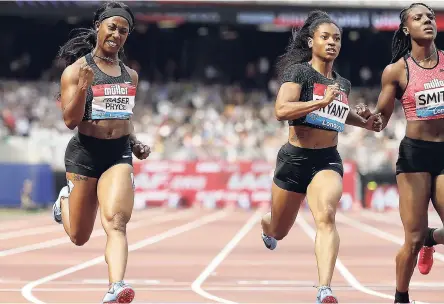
(205, 98)
(205, 106)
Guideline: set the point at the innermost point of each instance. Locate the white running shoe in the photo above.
(120, 292)
(270, 242)
(325, 295)
(56, 208)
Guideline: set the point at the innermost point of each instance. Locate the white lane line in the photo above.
(348, 276)
(26, 291)
(196, 286)
(96, 233)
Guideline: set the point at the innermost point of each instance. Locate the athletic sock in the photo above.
(402, 297)
(429, 240)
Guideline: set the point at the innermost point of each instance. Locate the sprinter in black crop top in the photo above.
(108, 96)
(313, 85)
(314, 100)
(98, 96)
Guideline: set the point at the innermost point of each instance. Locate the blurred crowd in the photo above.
(192, 120)
(205, 92)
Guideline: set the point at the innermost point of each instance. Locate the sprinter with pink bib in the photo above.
(416, 78)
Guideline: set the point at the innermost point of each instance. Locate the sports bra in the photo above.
(313, 86)
(423, 98)
(109, 97)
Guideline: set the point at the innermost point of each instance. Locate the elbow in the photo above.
(280, 116)
(72, 119)
(71, 123)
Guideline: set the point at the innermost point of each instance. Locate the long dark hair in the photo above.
(84, 40)
(402, 43)
(298, 51)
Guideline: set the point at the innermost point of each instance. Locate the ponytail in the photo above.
(84, 40)
(82, 43)
(297, 50)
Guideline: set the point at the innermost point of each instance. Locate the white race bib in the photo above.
(331, 117)
(430, 102)
(113, 101)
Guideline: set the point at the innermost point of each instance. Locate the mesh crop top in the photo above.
(314, 84)
(109, 97)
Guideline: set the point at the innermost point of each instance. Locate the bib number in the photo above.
(429, 103)
(333, 116)
(113, 101)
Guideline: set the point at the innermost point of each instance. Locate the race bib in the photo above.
(113, 101)
(333, 116)
(430, 102)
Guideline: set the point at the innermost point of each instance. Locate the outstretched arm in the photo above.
(386, 99)
(354, 119)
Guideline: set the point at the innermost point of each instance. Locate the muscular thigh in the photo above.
(324, 194)
(116, 193)
(82, 202)
(414, 196)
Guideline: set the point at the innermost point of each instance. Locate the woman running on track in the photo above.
(97, 96)
(416, 77)
(313, 98)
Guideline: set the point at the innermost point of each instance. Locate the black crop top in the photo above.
(109, 97)
(314, 84)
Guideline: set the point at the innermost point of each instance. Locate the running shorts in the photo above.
(420, 156)
(296, 167)
(91, 157)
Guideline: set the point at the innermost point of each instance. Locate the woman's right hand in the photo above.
(331, 93)
(86, 76)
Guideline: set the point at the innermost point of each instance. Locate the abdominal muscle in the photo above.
(312, 138)
(105, 129)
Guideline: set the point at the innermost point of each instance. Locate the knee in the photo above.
(117, 222)
(415, 243)
(325, 218)
(79, 239)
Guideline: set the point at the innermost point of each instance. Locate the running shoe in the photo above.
(56, 208)
(119, 292)
(270, 242)
(325, 295)
(425, 259)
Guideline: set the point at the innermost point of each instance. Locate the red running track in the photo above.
(208, 256)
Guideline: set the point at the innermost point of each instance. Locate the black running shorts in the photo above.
(296, 167)
(90, 156)
(420, 156)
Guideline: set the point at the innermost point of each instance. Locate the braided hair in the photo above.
(298, 51)
(402, 43)
(85, 40)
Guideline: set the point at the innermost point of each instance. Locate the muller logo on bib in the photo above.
(433, 84)
(333, 116)
(115, 90)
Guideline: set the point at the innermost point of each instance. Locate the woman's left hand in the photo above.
(140, 150)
